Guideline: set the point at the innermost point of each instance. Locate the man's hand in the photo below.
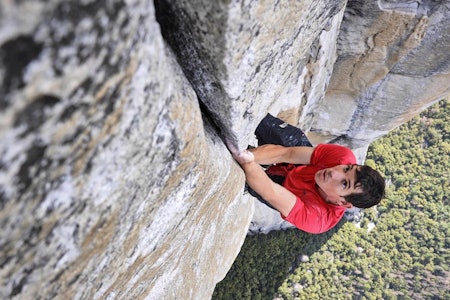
(242, 157)
(279, 197)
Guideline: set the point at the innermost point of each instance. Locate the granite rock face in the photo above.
(393, 62)
(114, 179)
(245, 58)
(112, 186)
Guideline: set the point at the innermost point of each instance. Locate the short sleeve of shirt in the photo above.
(305, 217)
(313, 219)
(330, 155)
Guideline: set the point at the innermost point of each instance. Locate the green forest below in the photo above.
(399, 249)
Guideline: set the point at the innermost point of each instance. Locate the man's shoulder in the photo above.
(333, 154)
(333, 147)
(312, 214)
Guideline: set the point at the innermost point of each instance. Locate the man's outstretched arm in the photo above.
(270, 154)
(279, 197)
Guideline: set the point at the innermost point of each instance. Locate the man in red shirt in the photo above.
(319, 184)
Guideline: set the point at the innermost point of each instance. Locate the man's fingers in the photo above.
(245, 156)
(241, 157)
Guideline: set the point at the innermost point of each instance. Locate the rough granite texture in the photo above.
(393, 62)
(245, 58)
(114, 179)
(112, 185)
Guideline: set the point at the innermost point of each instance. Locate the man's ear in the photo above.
(345, 203)
(338, 200)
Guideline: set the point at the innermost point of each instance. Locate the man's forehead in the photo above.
(351, 176)
(356, 187)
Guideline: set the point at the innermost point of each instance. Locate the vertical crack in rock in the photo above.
(209, 119)
(196, 64)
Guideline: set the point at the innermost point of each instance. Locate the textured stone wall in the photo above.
(114, 179)
(245, 58)
(111, 184)
(393, 62)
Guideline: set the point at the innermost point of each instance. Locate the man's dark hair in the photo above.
(372, 184)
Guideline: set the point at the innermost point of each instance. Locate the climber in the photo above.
(317, 183)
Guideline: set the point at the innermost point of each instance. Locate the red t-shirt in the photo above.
(311, 213)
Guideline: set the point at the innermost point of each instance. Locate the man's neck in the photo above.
(324, 196)
(321, 193)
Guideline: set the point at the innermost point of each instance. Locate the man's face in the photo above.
(337, 182)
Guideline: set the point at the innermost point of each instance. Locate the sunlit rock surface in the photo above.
(245, 58)
(393, 62)
(114, 179)
(112, 185)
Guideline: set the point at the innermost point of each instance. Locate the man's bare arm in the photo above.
(271, 154)
(279, 197)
